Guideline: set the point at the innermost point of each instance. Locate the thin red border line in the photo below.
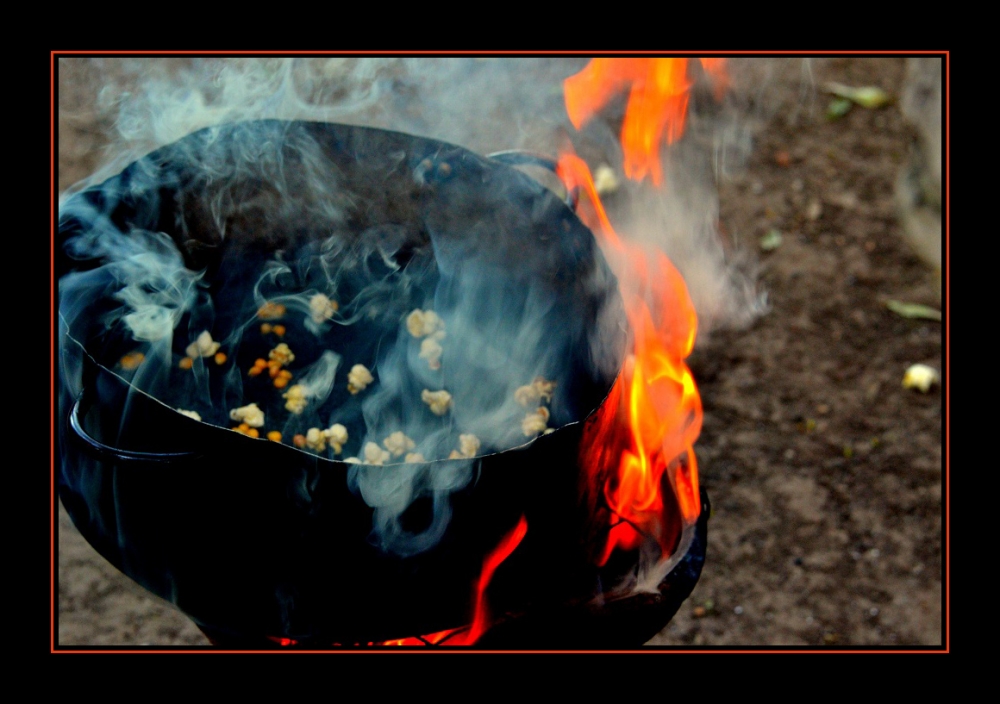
(947, 349)
(473, 651)
(947, 304)
(458, 52)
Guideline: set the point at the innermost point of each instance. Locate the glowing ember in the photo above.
(657, 103)
(649, 423)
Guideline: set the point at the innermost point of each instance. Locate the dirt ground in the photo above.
(824, 473)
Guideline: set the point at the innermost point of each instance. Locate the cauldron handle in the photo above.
(100, 451)
(523, 157)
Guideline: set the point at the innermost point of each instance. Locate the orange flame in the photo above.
(647, 427)
(481, 619)
(657, 103)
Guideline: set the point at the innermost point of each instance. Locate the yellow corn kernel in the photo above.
(132, 360)
(220, 357)
(274, 436)
(186, 363)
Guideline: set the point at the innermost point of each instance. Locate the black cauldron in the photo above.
(252, 538)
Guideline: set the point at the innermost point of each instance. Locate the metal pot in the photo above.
(251, 537)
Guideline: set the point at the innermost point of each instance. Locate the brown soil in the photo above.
(824, 473)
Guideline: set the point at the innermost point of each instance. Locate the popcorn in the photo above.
(132, 360)
(527, 395)
(439, 401)
(422, 323)
(271, 311)
(414, 457)
(431, 350)
(352, 460)
(544, 387)
(280, 356)
(251, 415)
(605, 180)
(375, 454)
(398, 444)
(535, 423)
(296, 398)
(428, 325)
(539, 389)
(920, 376)
(468, 446)
(315, 440)
(358, 379)
(244, 429)
(336, 435)
(204, 346)
(321, 308)
(189, 414)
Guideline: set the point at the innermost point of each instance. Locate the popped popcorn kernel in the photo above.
(421, 323)
(250, 414)
(295, 399)
(375, 454)
(336, 435)
(359, 378)
(920, 377)
(468, 446)
(204, 346)
(527, 395)
(544, 387)
(189, 414)
(322, 308)
(438, 401)
(540, 389)
(431, 350)
(398, 444)
(315, 440)
(281, 356)
(536, 422)
(414, 457)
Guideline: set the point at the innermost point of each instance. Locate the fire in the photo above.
(647, 427)
(481, 618)
(657, 103)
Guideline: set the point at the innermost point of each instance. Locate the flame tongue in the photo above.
(481, 617)
(646, 428)
(657, 103)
